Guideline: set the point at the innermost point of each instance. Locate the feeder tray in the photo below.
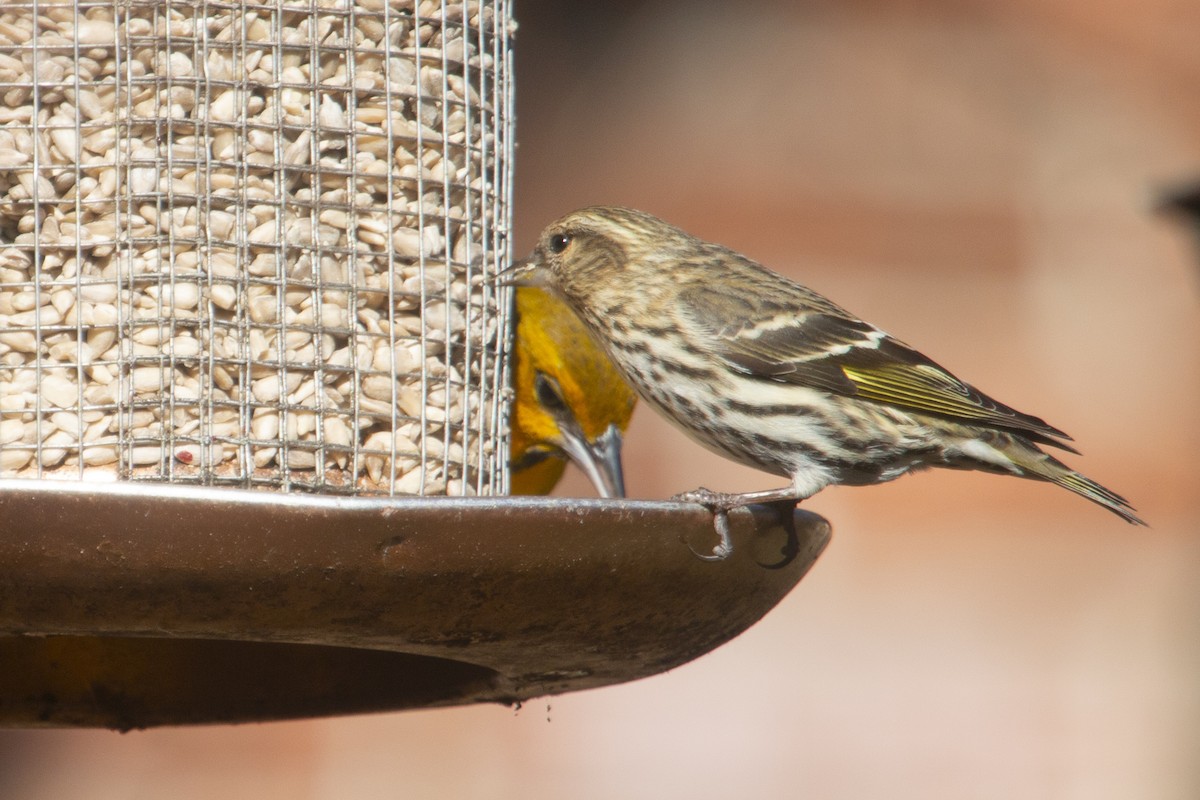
(130, 606)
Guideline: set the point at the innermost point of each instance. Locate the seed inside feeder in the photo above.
(243, 244)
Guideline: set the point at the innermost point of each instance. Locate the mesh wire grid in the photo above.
(247, 243)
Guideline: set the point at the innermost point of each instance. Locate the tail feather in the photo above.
(1038, 464)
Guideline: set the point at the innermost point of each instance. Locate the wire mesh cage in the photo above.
(247, 243)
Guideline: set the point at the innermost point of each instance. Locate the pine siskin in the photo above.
(771, 374)
(570, 401)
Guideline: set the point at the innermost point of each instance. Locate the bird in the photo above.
(570, 402)
(771, 374)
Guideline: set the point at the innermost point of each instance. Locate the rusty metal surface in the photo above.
(130, 606)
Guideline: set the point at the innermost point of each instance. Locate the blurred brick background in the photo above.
(976, 177)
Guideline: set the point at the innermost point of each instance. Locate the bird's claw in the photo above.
(719, 505)
(724, 547)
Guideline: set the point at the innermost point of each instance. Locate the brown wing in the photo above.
(798, 337)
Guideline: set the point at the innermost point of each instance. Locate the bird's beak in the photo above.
(522, 273)
(600, 460)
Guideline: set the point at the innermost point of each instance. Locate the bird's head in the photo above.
(587, 250)
(571, 404)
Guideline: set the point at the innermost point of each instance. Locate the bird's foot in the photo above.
(714, 501)
(719, 503)
(724, 547)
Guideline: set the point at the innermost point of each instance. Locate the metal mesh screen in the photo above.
(247, 243)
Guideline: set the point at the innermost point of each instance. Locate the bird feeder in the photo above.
(253, 383)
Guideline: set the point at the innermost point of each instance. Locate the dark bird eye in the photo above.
(548, 393)
(559, 242)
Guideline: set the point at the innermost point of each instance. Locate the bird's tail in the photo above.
(1036, 464)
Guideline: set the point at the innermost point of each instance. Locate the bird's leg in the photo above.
(721, 503)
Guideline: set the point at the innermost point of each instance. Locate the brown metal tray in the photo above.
(133, 605)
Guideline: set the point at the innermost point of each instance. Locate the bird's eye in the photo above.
(549, 394)
(559, 242)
